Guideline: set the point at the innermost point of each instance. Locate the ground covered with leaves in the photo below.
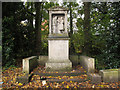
(9, 80)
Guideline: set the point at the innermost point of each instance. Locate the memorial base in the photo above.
(59, 66)
(58, 57)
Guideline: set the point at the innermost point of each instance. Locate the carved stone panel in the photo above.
(58, 23)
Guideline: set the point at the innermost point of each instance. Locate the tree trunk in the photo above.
(72, 50)
(31, 18)
(38, 27)
(87, 35)
(71, 24)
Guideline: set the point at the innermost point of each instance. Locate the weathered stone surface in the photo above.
(109, 75)
(58, 21)
(88, 63)
(42, 60)
(59, 66)
(24, 79)
(58, 8)
(58, 59)
(95, 78)
(79, 80)
(58, 50)
(29, 64)
(74, 59)
(73, 73)
(58, 41)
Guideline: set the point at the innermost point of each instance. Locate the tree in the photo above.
(87, 35)
(38, 20)
(110, 54)
(71, 18)
(10, 32)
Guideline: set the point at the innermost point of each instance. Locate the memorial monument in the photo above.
(58, 41)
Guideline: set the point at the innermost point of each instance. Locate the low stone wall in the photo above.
(42, 60)
(88, 63)
(29, 64)
(110, 75)
(74, 59)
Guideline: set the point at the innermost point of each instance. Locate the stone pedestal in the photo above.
(58, 55)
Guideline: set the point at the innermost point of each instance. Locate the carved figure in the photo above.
(58, 24)
(54, 24)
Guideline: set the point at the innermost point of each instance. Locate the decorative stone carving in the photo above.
(58, 22)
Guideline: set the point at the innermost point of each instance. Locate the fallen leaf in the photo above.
(93, 86)
(20, 84)
(67, 86)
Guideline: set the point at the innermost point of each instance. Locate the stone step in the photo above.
(52, 80)
(65, 80)
(76, 73)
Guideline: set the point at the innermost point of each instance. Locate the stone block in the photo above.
(95, 78)
(58, 59)
(109, 75)
(24, 79)
(88, 63)
(59, 66)
(58, 49)
(29, 64)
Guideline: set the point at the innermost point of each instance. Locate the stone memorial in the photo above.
(58, 41)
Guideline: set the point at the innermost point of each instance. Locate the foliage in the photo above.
(104, 22)
(105, 34)
(78, 40)
(110, 54)
(17, 38)
(44, 38)
(8, 44)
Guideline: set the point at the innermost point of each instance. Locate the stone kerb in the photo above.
(110, 75)
(88, 63)
(29, 64)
